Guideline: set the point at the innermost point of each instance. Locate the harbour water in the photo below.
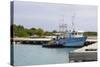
(37, 55)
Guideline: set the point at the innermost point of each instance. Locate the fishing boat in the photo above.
(73, 39)
(70, 38)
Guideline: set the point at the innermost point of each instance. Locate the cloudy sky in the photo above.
(48, 16)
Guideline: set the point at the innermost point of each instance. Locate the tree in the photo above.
(90, 33)
(39, 32)
(20, 31)
(54, 31)
(48, 33)
(32, 28)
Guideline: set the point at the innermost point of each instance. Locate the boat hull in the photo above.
(71, 42)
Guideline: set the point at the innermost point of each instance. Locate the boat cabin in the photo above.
(75, 34)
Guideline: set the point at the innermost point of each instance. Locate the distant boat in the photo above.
(71, 38)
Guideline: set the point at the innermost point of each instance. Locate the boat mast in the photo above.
(73, 26)
(63, 27)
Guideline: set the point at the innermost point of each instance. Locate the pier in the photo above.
(30, 40)
(86, 53)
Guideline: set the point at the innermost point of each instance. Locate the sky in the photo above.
(48, 16)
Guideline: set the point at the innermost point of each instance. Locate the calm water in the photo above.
(36, 55)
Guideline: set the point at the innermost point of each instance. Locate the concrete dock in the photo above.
(30, 40)
(86, 53)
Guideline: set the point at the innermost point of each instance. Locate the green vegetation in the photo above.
(20, 31)
(90, 33)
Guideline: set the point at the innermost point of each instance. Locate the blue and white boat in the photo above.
(71, 38)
